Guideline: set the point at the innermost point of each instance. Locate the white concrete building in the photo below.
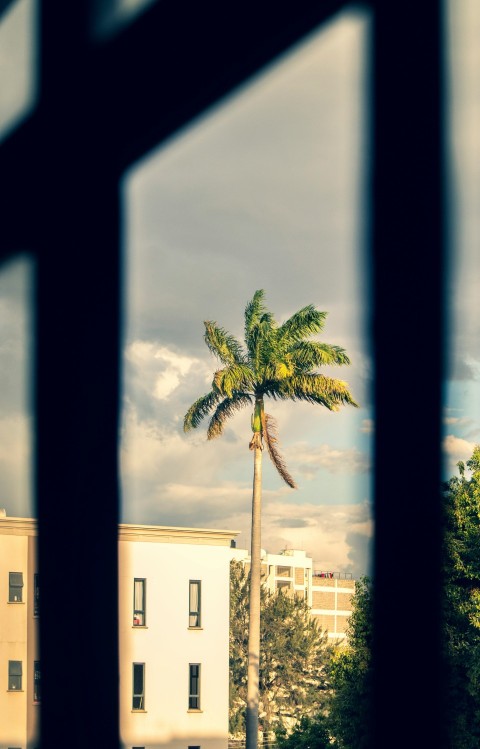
(174, 627)
(329, 594)
(173, 636)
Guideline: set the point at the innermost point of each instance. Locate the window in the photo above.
(36, 594)
(194, 602)
(15, 675)
(139, 591)
(194, 686)
(138, 700)
(15, 587)
(36, 682)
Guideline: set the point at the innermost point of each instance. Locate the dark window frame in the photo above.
(37, 682)
(195, 607)
(15, 676)
(194, 686)
(36, 594)
(15, 589)
(138, 697)
(140, 614)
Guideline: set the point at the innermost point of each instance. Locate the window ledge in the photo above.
(196, 628)
(13, 691)
(138, 711)
(139, 626)
(16, 603)
(194, 710)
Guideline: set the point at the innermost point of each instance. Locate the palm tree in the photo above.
(280, 362)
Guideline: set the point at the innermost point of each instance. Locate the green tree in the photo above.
(280, 362)
(461, 611)
(350, 715)
(309, 733)
(294, 657)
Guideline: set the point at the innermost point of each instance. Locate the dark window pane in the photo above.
(36, 594)
(194, 603)
(15, 587)
(36, 682)
(138, 686)
(194, 686)
(139, 602)
(15, 675)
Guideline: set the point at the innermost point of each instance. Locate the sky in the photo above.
(267, 190)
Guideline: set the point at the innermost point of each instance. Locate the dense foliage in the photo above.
(294, 656)
(351, 675)
(461, 616)
(349, 716)
(309, 733)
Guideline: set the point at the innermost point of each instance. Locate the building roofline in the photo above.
(18, 526)
(133, 532)
(176, 534)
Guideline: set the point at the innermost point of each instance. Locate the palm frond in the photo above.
(227, 408)
(316, 388)
(236, 377)
(279, 369)
(222, 344)
(199, 410)
(254, 311)
(302, 324)
(270, 435)
(311, 354)
(259, 323)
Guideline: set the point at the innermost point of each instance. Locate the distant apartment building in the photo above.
(328, 593)
(173, 630)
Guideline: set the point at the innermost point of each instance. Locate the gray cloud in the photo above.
(291, 523)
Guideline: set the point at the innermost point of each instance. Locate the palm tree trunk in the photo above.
(251, 721)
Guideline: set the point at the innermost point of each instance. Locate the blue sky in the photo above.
(266, 190)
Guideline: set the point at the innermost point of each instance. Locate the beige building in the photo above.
(173, 630)
(329, 594)
(20, 675)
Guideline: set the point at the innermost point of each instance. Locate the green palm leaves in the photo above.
(276, 361)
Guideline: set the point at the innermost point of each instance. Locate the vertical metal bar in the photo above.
(77, 386)
(408, 264)
(77, 412)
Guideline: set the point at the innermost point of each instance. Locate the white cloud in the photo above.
(160, 368)
(456, 449)
(310, 459)
(171, 480)
(328, 533)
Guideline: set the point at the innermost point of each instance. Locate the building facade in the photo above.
(328, 594)
(173, 636)
(20, 673)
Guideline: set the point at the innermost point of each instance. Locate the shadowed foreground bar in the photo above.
(101, 106)
(408, 320)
